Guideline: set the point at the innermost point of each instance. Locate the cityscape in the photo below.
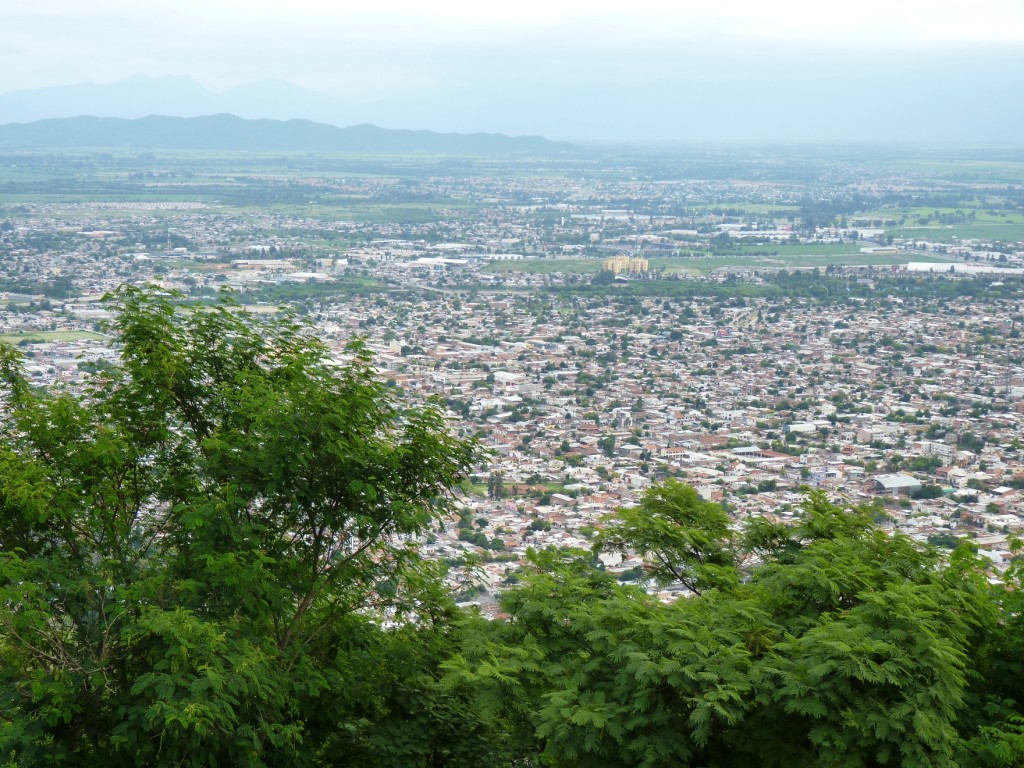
(597, 328)
(539, 385)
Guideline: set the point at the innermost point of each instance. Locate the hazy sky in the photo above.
(388, 48)
(659, 69)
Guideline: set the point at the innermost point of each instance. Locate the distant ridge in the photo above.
(231, 133)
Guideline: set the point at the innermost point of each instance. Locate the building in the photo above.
(625, 264)
(896, 485)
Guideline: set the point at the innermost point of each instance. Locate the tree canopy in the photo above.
(830, 643)
(208, 558)
(189, 548)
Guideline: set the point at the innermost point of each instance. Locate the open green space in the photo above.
(755, 209)
(984, 220)
(237, 202)
(703, 265)
(370, 213)
(783, 250)
(547, 266)
(47, 336)
(193, 265)
(710, 264)
(995, 172)
(1010, 232)
(978, 214)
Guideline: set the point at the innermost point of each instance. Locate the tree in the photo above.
(686, 539)
(842, 646)
(191, 552)
(496, 485)
(607, 445)
(927, 492)
(207, 558)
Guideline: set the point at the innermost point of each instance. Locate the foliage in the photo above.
(946, 539)
(923, 463)
(833, 644)
(207, 558)
(927, 492)
(688, 539)
(496, 485)
(191, 553)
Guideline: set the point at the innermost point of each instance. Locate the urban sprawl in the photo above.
(599, 332)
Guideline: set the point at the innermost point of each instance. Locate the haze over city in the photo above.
(737, 70)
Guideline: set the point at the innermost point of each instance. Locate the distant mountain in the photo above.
(231, 133)
(914, 95)
(177, 95)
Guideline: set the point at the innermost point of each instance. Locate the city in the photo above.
(595, 330)
(550, 384)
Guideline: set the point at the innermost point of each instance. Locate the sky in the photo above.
(541, 56)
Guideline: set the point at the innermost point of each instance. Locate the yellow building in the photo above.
(620, 264)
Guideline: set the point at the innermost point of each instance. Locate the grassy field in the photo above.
(784, 250)
(995, 172)
(547, 266)
(704, 265)
(751, 209)
(989, 223)
(150, 206)
(47, 336)
(952, 232)
(370, 213)
(982, 214)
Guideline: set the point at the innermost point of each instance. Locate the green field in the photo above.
(47, 336)
(547, 266)
(710, 264)
(768, 208)
(1012, 232)
(783, 250)
(982, 221)
(704, 265)
(984, 213)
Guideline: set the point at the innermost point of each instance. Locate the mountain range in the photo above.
(232, 133)
(177, 95)
(905, 96)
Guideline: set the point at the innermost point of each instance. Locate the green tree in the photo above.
(685, 539)
(496, 485)
(927, 492)
(607, 445)
(842, 646)
(192, 551)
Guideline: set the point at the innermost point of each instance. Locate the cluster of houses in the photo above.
(582, 404)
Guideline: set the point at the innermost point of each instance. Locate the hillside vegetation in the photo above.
(208, 558)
